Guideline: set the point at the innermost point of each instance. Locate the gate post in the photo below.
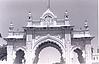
(68, 48)
(29, 49)
(88, 54)
(10, 54)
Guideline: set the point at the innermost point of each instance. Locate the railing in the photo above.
(18, 33)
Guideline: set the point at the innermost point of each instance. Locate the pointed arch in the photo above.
(19, 48)
(49, 38)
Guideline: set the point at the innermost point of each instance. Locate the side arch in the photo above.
(18, 48)
(79, 52)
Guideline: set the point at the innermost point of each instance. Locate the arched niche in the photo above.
(78, 53)
(20, 57)
(48, 18)
(47, 44)
(18, 48)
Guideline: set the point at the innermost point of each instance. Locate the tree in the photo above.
(3, 52)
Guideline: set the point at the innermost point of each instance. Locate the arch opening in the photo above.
(49, 55)
(44, 45)
(19, 59)
(79, 55)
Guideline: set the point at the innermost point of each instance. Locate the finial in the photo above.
(48, 4)
(86, 25)
(66, 18)
(66, 14)
(30, 16)
(11, 27)
(29, 22)
(29, 13)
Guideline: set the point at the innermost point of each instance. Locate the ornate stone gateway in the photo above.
(73, 45)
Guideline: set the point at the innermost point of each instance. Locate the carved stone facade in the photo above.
(49, 31)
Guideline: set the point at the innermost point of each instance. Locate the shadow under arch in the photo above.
(79, 53)
(44, 45)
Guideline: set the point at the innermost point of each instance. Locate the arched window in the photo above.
(48, 20)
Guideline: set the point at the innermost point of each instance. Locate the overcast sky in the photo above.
(79, 10)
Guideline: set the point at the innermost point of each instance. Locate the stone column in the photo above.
(68, 59)
(88, 53)
(68, 48)
(10, 54)
(29, 49)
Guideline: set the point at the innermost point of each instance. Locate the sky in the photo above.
(51, 58)
(16, 11)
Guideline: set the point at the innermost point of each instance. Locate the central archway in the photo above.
(49, 55)
(44, 45)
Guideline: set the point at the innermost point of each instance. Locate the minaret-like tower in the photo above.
(11, 29)
(29, 23)
(86, 25)
(87, 39)
(86, 29)
(66, 18)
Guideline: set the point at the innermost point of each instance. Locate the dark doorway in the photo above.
(19, 57)
(79, 53)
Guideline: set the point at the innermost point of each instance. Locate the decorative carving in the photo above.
(58, 36)
(37, 37)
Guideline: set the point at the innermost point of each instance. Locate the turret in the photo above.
(86, 25)
(11, 29)
(66, 18)
(86, 29)
(29, 22)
